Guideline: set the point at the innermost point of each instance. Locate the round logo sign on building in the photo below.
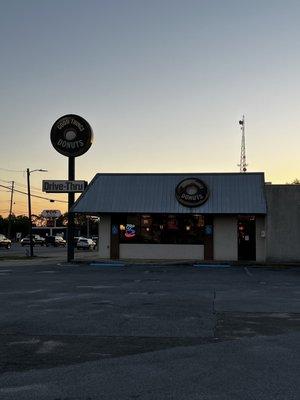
(192, 192)
(71, 135)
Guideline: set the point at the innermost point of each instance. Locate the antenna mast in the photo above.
(243, 164)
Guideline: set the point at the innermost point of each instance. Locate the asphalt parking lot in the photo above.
(41, 251)
(149, 332)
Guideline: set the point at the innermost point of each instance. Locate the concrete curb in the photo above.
(90, 261)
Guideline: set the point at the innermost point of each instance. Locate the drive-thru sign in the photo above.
(50, 186)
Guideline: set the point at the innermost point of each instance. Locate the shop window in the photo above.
(146, 229)
(164, 229)
(129, 229)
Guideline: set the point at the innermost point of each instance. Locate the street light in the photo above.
(29, 206)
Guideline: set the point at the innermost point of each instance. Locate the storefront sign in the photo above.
(64, 186)
(130, 231)
(71, 135)
(51, 213)
(192, 192)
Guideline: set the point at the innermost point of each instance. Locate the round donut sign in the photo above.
(192, 192)
(71, 135)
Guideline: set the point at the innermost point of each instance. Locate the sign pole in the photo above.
(71, 199)
(72, 136)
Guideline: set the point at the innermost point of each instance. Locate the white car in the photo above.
(4, 242)
(85, 244)
(36, 239)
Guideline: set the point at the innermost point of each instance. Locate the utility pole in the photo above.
(243, 164)
(10, 209)
(29, 206)
(29, 212)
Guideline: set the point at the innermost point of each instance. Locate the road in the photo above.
(149, 332)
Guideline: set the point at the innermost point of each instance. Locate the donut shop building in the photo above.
(197, 216)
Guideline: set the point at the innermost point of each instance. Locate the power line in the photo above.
(25, 187)
(21, 184)
(34, 195)
(11, 170)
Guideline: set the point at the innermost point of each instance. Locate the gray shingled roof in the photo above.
(230, 193)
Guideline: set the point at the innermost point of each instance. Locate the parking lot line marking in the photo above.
(247, 271)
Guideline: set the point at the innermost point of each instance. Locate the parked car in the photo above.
(5, 242)
(56, 241)
(39, 240)
(85, 244)
(95, 239)
(76, 238)
(26, 241)
(36, 240)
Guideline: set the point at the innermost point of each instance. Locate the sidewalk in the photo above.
(89, 258)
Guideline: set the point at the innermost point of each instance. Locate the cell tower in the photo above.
(243, 164)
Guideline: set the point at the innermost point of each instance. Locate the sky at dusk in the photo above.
(163, 84)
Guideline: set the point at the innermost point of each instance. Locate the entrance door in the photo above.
(246, 238)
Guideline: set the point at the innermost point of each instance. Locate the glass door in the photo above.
(246, 238)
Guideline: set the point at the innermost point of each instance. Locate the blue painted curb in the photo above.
(212, 265)
(106, 265)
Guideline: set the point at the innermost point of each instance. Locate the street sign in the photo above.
(60, 186)
(51, 213)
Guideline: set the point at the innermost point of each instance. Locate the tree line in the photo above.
(14, 224)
